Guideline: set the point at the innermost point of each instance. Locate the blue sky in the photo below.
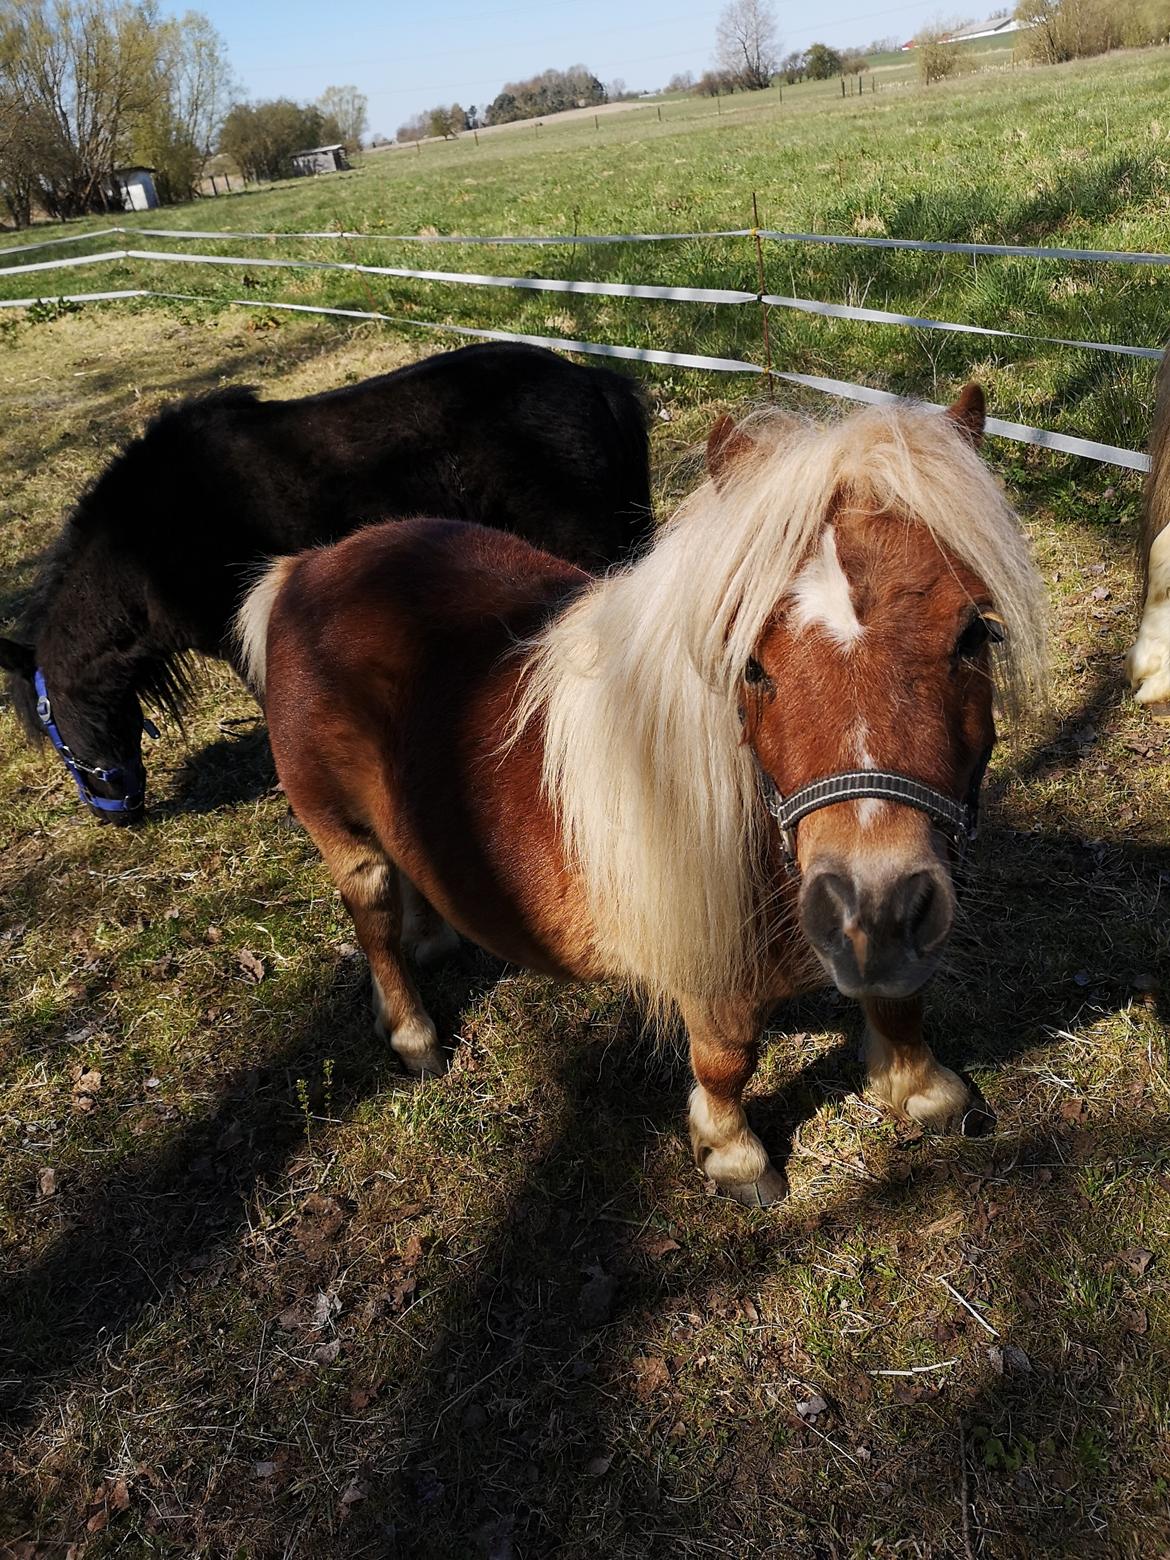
(408, 56)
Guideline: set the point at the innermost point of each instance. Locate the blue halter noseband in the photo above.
(131, 782)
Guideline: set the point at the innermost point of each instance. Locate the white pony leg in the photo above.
(1148, 663)
(724, 1145)
(919, 1088)
(414, 1039)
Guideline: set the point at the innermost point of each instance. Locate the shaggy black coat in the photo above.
(155, 557)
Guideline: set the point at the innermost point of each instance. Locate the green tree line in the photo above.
(1059, 30)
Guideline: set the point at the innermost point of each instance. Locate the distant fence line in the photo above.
(1018, 432)
(567, 240)
(556, 284)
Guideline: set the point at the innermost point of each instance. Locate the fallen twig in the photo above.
(967, 1306)
(915, 1370)
(964, 1496)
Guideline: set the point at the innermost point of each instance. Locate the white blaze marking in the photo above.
(868, 808)
(1148, 663)
(821, 595)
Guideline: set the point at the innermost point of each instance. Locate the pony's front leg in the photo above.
(903, 1073)
(724, 1046)
(1148, 664)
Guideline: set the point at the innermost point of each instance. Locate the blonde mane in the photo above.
(637, 683)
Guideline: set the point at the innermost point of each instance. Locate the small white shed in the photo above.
(321, 159)
(134, 187)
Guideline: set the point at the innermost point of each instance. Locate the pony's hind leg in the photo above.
(426, 935)
(371, 888)
(903, 1072)
(723, 1058)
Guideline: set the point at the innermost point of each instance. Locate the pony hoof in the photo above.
(431, 1064)
(943, 1106)
(416, 1046)
(772, 1187)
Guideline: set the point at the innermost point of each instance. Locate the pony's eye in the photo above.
(984, 628)
(754, 674)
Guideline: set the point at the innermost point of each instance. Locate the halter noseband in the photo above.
(959, 821)
(130, 781)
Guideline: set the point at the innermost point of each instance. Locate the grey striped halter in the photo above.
(957, 820)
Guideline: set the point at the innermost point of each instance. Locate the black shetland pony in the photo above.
(153, 561)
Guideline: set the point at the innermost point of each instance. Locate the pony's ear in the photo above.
(17, 658)
(726, 444)
(970, 412)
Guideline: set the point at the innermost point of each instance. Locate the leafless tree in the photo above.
(178, 138)
(30, 154)
(746, 42)
(97, 83)
(348, 109)
(93, 71)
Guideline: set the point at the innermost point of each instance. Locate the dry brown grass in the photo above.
(274, 1300)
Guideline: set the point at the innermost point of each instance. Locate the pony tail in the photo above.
(250, 629)
(1156, 494)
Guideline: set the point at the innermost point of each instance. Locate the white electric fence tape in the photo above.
(850, 240)
(716, 295)
(503, 240)
(466, 278)
(940, 247)
(845, 311)
(1019, 433)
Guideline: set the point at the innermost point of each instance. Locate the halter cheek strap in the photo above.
(130, 781)
(959, 821)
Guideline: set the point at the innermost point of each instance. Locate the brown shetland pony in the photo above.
(579, 775)
(1148, 663)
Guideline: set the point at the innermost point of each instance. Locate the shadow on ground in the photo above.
(236, 767)
(537, 1416)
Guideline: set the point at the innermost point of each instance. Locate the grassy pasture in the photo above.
(273, 1300)
(1074, 156)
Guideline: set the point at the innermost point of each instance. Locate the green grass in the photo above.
(1074, 156)
(279, 1301)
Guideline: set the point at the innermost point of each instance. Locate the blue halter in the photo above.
(131, 782)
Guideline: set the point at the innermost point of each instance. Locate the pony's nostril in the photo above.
(830, 902)
(920, 912)
(916, 894)
(877, 935)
